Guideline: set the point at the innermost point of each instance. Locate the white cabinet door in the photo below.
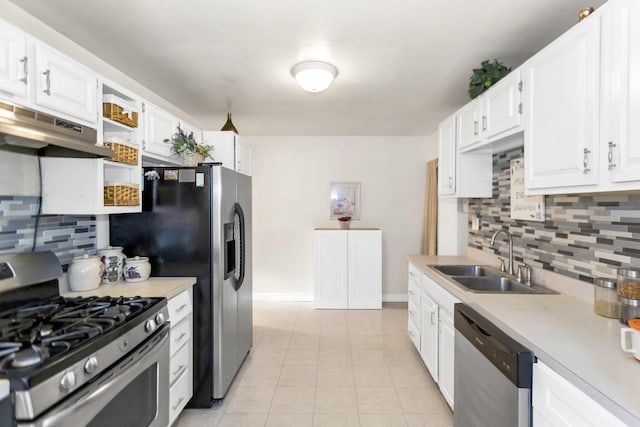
(364, 269)
(447, 157)
(557, 402)
(64, 85)
(14, 63)
(446, 337)
(470, 124)
(621, 91)
(561, 110)
(331, 269)
(224, 147)
(243, 156)
(159, 127)
(502, 110)
(429, 335)
(188, 128)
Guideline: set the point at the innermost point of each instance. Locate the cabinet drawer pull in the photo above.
(179, 371)
(25, 69)
(182, 307)
(585, 161)
(182, 335)
(610, 155)
(47, 75)
(177, 404)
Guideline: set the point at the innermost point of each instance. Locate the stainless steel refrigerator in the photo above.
(196, 221)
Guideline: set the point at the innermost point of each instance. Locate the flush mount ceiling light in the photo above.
(314, 76)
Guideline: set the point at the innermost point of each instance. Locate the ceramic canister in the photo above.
(113, 260)
(137, 269)
(85, 273)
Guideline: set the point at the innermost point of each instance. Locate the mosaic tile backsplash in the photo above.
(584, 235)
(66, 236)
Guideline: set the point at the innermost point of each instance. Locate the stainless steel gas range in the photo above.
(96, 361)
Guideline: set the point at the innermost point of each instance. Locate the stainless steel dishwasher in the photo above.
(492, 379)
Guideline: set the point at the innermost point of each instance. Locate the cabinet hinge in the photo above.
(144, 107)
(520, 86)
(144, 145)
(520, 108)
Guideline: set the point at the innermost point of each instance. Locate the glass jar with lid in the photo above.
(606, 297)
(629, 293)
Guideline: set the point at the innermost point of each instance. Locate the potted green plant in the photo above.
(191, 151)
(486, 76)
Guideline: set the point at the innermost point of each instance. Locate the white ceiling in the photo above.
(404, 65)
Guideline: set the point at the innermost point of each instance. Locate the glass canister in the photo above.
(606, 297)
(629, 293)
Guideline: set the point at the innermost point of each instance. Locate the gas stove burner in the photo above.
(28, 357)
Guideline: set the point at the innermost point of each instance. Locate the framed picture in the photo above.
(345, 200)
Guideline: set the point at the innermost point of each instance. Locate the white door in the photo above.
(502, 110)
(14, 64)
(159, 127)
(621, 91)
(365, 269)
(65, 86)
(561, 110)
(330, 290)
(243, 156)
(429, 335)
(446, 338)
(447, 156)
(470, 124)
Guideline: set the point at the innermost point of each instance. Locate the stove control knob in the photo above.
(68, 381)
(91, 365)
(150, 326)
(159, 319)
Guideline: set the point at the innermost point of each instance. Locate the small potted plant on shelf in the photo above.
(191, 151)
(486, 76)
(344, 222)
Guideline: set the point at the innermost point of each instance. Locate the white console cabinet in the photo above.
(348, 268)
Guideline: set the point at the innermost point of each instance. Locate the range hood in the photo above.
(30, 129)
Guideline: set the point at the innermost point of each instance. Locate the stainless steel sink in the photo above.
(499, 285)
(467, 270)
(485, 279)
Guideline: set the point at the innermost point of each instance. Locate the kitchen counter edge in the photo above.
(167, 287)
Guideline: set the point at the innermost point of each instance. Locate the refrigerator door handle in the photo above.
(238, 211)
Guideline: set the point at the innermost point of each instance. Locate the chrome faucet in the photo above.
(510, 238)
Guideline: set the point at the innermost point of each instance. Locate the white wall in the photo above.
(291, 177)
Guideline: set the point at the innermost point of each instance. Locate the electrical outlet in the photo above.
(475, 223)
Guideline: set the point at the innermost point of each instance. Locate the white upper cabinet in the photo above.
(14, 62)
(65, 86)
(230, 149)
(620, 127)
(561, 110)
(159, 126)
(502, 108)
(447, 157)
(469, 124)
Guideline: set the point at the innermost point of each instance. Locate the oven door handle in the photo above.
(82, 409)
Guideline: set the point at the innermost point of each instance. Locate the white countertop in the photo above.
(564, 332)
(167, 287)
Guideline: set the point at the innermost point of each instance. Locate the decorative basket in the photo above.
(192, 159)
(123, 153)
(112, 108)
(121, 194)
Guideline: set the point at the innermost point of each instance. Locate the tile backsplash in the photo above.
(67, 236)
(584, 235)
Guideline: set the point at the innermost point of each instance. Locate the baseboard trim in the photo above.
(283, 296)
(395, 298)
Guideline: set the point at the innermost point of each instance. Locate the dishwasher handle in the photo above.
(514, 360)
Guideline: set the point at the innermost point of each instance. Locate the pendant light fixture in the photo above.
(314, 76)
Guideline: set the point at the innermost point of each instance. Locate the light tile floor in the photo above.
(329, 368)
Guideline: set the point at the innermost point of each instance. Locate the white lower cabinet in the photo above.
(348, 269)
(181, 349)
(557, 402)
(431, 319)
